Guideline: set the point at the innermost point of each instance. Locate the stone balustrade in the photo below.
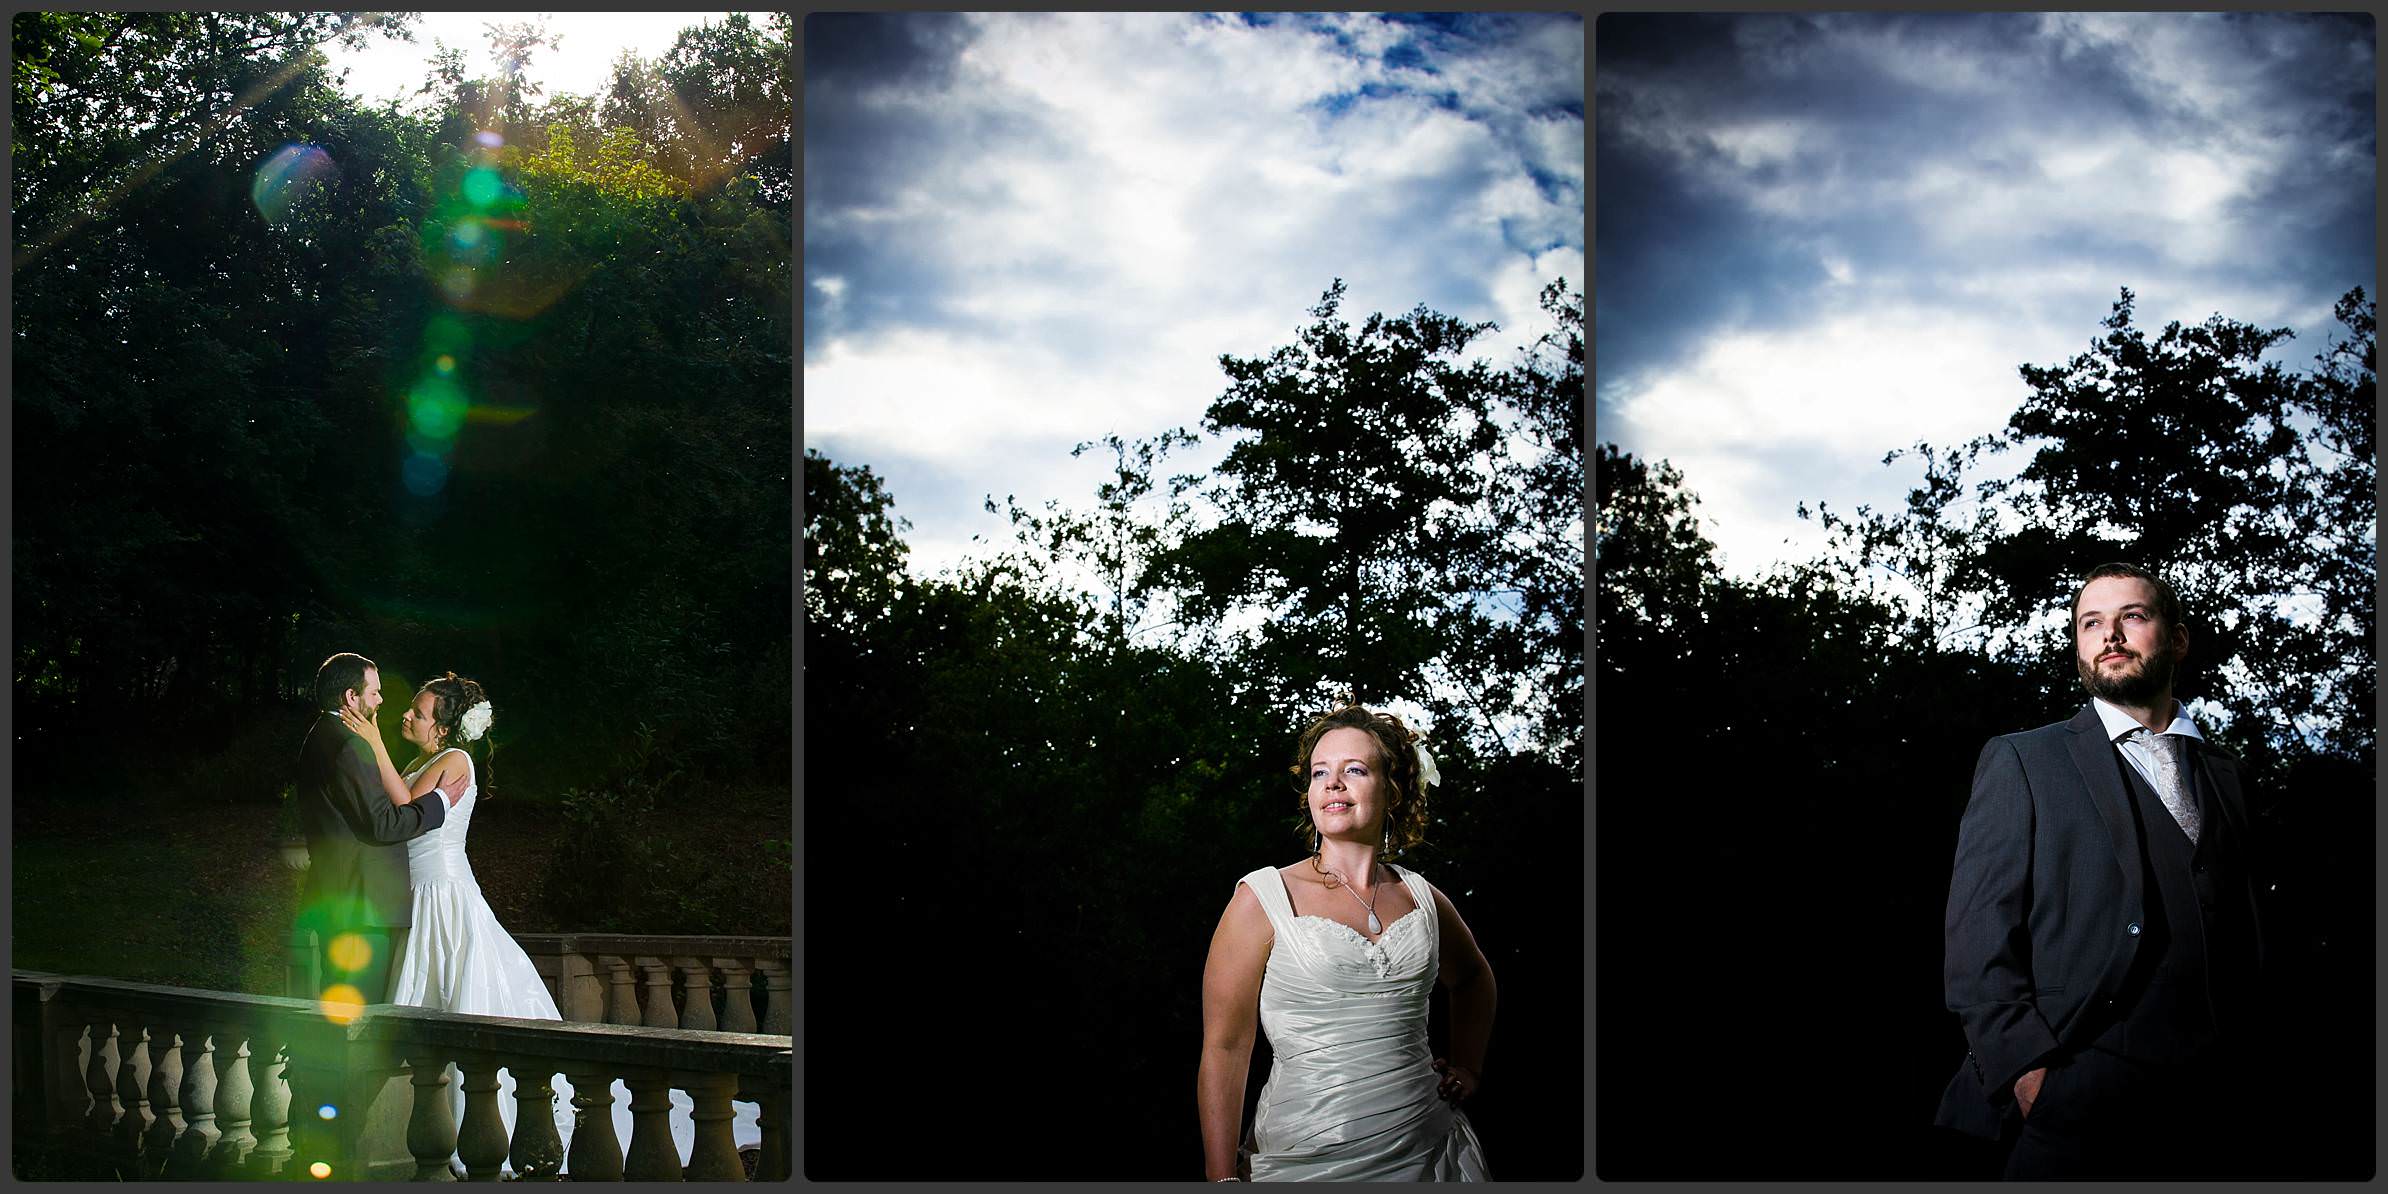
(657, 981)
(130, 1080)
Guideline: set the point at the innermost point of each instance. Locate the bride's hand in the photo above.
(363, 727)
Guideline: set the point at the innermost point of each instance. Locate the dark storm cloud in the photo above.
(1690, 241)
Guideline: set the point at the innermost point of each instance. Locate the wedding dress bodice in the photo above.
(1351, 1095)
(438, 856)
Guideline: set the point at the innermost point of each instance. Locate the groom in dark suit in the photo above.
(2103, 951)
(355, 898)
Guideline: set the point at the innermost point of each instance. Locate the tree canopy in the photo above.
(498, 382)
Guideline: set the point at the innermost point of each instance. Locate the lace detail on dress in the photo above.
(1378, 956)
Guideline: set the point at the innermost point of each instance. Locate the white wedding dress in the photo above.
(1351, 1094)
(458, 958)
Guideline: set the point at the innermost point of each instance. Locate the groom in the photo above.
(2103, 951)
(355, 898)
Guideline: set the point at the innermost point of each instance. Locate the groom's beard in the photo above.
(2136, 683)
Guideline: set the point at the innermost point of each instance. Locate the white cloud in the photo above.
(1161, 189)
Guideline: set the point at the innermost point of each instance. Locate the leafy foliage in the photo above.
(2249, 487)
(239, 294)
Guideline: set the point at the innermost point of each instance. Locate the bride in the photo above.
(1334, 958)
(458, 958)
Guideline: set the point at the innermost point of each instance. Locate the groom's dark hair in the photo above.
(337, 675)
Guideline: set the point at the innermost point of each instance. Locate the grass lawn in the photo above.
(197, 896)
(182, 906)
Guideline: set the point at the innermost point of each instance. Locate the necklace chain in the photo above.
(1375, 926)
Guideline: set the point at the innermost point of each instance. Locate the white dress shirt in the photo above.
(2120, 724)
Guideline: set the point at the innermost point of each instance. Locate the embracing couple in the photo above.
(390, 895)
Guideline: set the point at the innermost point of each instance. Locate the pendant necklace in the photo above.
(1375, 926)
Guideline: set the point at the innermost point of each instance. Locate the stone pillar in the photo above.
(233, 1090)
(481, 1141)
(653, 1156)
(538, 1152)
(198, 1099)
(580, 992)
(776, 1166)
(776, 1018)
(738, 987)
(165, 1102)
(70, 1099)
(659, 994)
(696, 1011)
(132, 1088)
(431, 1128)
(326, 1069)
(99, 1078)
(714, 1155)
(596, 1156)
(270, 1105)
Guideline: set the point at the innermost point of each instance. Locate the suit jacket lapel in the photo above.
(2221, 775)
(2093, 757)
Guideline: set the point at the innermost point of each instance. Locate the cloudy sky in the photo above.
(1022, 232)
(1820, 238)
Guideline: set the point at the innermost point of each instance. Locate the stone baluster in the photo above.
(659, 994)
(776, 1019)
(773, 1119)
(652, 1156)
(233, 1090)
(697, 1011)
(270, 1106)
(132, 1089)
(538, 1151)
(714, 1155)
(70, 1098)
(481, 1141)
(99, 1078)
(738, 986)
(197, 1096)
(321, 1073)
(596, 1156)
(621, 1001)
(165, 1102)
(431, 1126)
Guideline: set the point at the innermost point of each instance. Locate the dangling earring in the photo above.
(1388, 846)
(1314, 838)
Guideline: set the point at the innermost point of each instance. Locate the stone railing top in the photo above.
(656, 1048)
(653, 945)
(146, 998)
(661, 1049)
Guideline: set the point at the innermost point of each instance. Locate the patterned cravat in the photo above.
(2165, 755)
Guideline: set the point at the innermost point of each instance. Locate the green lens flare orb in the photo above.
(483, 186)
(435, 408)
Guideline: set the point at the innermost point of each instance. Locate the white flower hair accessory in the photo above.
(1428, 774)
(475, 722)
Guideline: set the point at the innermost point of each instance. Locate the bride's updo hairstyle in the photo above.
(451, 697)
(1396, 765)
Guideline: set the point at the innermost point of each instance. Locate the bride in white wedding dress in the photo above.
(1334, 958)
(456, 956)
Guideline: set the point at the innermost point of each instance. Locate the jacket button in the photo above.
(2133, 929)
(2198, 867)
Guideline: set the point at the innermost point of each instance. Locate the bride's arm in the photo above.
(1230, 1014)
(445, 776)
(391, 784)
